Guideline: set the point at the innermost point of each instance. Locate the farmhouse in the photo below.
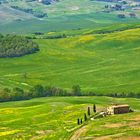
(118, 109)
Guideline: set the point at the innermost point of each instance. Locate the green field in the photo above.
(103, 63)
(97, 50)
(68, 22)
(56, 119)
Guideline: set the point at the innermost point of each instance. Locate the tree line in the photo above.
(17, 93)
(39, 35)
(106, 31)
(15, 46)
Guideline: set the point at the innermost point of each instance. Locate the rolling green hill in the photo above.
(103, 63)
(90, 44)
(56, 118)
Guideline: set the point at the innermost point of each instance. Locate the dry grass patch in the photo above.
(136, 118)
(109, 137)
(114, 125)
(128, 138)
(41, 134)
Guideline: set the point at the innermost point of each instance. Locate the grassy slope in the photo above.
(9, 15)
(102, 63)
(55, 118)
(61, 23)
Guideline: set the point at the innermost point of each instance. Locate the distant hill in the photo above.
(56, 15)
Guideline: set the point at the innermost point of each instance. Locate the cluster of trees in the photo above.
(121, 16)
(48, 2)
(117, 95)
(3, 1)
(16, 94)
(132, 15)
(39, 35)
(38, 14)
(15, 46)
(55, 36)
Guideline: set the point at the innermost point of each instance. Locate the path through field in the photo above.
(78, 133)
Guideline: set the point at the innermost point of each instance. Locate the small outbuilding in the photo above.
(118, 109)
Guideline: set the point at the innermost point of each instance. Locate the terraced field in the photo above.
(103, 63)
(56, 118)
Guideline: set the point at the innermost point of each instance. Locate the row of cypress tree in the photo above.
(86, 115)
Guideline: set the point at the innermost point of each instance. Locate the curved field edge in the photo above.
(55, 118)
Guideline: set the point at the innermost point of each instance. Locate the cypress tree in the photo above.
(81, 121)
(78, 121)
(88, 111)
(94, 108)
(85, 117)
